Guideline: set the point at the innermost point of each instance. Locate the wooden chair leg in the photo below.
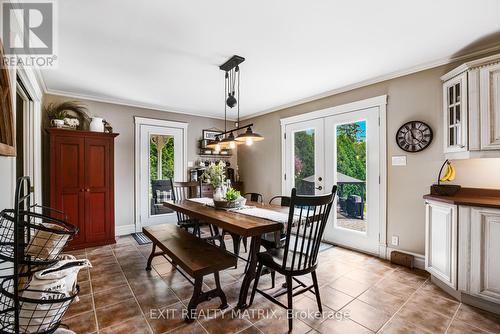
(256, 283)
(290, 302)
(150, 258)
(221, 293)
(193, 302)
(316, 290)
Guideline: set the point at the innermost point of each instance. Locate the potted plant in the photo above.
(57, 117)
(215, 175)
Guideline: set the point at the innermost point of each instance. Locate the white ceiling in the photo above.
(165, 53)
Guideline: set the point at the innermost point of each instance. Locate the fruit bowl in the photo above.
(445, 189)
(224, 204)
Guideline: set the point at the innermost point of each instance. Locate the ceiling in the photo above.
(164, 54)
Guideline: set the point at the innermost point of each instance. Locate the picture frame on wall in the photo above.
(210, 134)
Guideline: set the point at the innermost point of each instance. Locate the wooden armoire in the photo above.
(82, 183)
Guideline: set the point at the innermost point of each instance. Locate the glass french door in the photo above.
(344, 150)
(161, 157)
(305, 157)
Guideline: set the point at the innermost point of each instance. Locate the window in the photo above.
(7, 141)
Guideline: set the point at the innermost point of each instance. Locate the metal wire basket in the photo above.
(39, 311)
(45, 237)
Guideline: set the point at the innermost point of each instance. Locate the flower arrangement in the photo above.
(215, 174)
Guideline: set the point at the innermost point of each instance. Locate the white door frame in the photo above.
(32, 128)
(381, 103)
(139, 121)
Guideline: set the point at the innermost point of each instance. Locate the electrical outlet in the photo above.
(395, 240)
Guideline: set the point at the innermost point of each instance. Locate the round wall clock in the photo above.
(414, 136)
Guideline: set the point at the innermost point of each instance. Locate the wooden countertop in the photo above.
(489, 198)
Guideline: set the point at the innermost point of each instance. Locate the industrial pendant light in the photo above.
(227, 140)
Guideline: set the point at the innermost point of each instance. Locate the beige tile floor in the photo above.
(360, 294)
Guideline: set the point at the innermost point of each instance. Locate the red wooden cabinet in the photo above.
(82, 183)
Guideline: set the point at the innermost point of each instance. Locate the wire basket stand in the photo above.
(31, 241)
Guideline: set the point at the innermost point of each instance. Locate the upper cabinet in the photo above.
(471, 109)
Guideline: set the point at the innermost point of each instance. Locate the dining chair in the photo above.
(182, 191)
(307, 219)
(283, 200)
(254, 197)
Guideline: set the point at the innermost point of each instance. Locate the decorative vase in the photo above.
(218, 196)
(97, 124)
(58, 123)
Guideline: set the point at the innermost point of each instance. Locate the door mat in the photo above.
(141, 238)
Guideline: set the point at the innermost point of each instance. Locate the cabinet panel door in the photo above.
(455, 112)
(68, 178)
(485, 253)
(490, 107)
(98, 206)
(441, 242)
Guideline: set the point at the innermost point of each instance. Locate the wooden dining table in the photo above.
(238, 224)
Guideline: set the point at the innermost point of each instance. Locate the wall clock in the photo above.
(414, 136)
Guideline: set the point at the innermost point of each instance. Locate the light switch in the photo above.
(399, 160)
(190, 164)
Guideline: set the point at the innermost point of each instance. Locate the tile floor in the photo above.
(360, 294)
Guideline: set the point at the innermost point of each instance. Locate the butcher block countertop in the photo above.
(489, 198)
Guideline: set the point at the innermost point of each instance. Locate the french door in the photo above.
(161, 157)
(342, 149)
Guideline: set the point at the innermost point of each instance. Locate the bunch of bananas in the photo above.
(450, 173)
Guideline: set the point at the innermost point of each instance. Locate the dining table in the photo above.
(238, 223)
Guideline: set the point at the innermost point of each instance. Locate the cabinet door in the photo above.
(490, 107)
(485, 253)
(67, 175)
(98, 199)
(455, 114)
(441, 242)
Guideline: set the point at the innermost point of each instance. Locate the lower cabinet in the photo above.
(441, 242)
(485, 253)
(463, 248)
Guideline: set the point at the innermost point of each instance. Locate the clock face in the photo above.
(414, 136)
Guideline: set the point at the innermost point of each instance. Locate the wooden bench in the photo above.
(195, 257)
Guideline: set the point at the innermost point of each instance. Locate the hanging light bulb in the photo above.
(248, 136)
(249, 141)
(217, 148)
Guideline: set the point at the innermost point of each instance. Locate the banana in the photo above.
(452, 174)
(448, 173)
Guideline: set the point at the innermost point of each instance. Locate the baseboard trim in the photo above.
(419, 258)
(124, 229)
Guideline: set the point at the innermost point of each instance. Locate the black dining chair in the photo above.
(283, 200)
(307, 219)
(254, 197)
(182, 191)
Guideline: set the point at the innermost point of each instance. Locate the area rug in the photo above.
(141, 238)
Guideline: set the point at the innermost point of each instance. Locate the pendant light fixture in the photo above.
(227, 139)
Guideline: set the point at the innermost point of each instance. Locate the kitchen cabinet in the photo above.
(463, 245)
(471, 109)
(81, 179)
(441, 239)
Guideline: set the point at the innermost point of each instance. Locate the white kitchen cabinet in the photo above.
(485, 254)
(441, 242)
(490, 106)
(471, 109)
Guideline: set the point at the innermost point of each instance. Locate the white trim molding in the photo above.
(124, 229)
(130, 103)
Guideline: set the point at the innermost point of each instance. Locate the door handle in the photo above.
(87, 190)
(319, 188)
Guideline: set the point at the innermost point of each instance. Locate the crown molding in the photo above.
(128, 103)
(389, 76)
(368, 82)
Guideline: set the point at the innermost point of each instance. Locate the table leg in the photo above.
(251, 272)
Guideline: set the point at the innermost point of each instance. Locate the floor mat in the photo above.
(141, 238)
